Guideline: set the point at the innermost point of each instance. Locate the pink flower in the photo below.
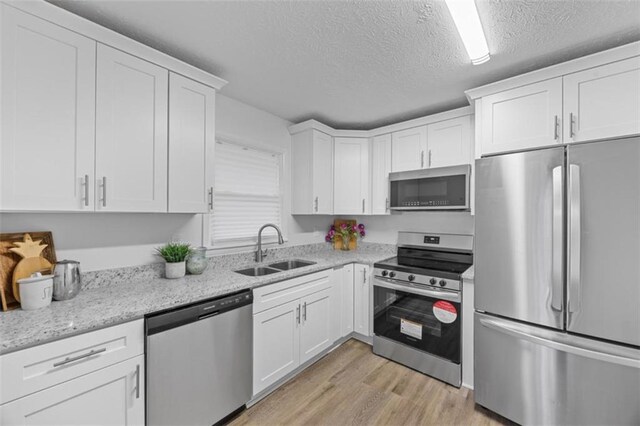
(354, 228)
(331, 233)
(327, 238)
(362, 233)
(361, 227)
(343, 226)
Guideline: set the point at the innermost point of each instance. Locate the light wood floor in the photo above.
(352, 386)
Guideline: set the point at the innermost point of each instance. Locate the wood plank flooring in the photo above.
(352, 386)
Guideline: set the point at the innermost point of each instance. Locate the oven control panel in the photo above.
(417, 279)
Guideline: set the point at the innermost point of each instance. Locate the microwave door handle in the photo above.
(435, 294)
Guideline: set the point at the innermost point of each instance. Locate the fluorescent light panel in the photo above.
(465, 16)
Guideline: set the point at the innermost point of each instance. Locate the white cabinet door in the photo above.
(361, 299)
(315, 333)
(347, 300)
(276, 344)
(131, 133)
(522, 118)
(351, 176)
(110, 396)
(380, 168)
(449, 142)
(47, 119)
(602, 102)
(191, 145)
(322, 173)
(408, 149)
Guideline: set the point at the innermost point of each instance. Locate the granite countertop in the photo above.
(119, 295)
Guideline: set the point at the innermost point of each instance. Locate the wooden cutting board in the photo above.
(9, 260)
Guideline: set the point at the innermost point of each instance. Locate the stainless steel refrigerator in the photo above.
(557, 284)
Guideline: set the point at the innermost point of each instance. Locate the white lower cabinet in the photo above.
(361, 299)
(94, 378)
(276, 344)
(315, 330)
(111, 396)
(346, 300)
(292, 323)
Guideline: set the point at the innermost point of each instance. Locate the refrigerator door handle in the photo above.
(567, 343)
(573, 293)
(557, 238)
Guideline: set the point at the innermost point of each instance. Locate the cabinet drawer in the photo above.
(33, 369)
(277, 294)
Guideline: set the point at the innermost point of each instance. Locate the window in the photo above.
(247, 194)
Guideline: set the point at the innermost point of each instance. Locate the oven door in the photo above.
(426, 319)
(444, 188)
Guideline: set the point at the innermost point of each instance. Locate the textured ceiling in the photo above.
(361, 64)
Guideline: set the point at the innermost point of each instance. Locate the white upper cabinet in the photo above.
(602, 102)
(522, 118)
(191, 145)
(351, 176)
(47, 95)
(312, 173)
(449, 142)
(409, 149)
(131, 133)
(380, 168)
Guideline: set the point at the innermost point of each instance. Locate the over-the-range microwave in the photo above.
(442, 188)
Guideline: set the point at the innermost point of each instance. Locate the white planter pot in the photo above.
(174, 270)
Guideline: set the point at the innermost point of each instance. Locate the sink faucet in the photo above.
(260, 254)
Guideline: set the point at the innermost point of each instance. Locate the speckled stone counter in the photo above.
(119, 295)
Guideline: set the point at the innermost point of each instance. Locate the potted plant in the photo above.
(345, 233)
(174, 255)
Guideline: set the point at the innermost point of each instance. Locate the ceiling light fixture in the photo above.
(465, 16)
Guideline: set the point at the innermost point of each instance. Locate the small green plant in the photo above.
(174, 252)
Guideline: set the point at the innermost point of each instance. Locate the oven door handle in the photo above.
(436, 294)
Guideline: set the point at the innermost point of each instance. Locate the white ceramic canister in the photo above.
(36, 291)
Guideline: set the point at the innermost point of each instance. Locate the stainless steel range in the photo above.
(417, 303)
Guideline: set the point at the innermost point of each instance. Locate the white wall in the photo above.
(109, 240)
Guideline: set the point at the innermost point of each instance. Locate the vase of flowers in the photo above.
(344, 233)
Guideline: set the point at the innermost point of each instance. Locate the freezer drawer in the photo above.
(533, 375)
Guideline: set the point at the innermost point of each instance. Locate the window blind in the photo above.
(247, 193)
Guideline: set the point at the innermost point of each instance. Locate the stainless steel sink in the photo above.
(258, 271)
(291, 264)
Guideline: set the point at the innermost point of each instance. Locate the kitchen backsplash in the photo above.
(97, 279)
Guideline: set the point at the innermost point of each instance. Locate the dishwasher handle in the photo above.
(167, 320)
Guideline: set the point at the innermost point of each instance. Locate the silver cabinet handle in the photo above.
(304, 311)
(104, 191)
(363, 205)
(86, 190)
(421, 159)
(67, 360)
(210, 198)
(556, 126)
(429, 158)
(298, 314)
(386, 204)
(138, 381)
(364, 276)
(316, 205)
(556, 238)
(573, 297)
(572, 133)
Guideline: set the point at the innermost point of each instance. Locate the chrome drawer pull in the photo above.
(67, 360)
(138, 381)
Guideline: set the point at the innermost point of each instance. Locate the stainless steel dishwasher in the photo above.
(199, 361)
